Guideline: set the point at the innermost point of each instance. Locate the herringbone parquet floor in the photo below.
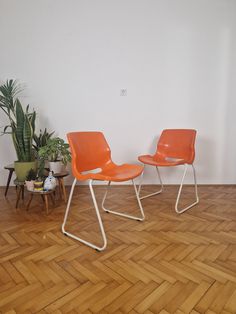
(167, 264)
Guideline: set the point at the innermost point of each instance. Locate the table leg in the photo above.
(18, 196)
(52, 199)
(60, 189)
(30, 200)
(63, 189)
(46, 203)
(8, 181)
(23, 192)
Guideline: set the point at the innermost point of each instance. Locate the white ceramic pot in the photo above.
(30, 185)
(55, 166)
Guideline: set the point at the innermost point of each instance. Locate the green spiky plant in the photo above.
(41, 139)
(21, 123)
(31, 175)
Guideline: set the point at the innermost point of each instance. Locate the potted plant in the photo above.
(30, 179)
(56, 152)
(39, 182)
(41, 140)
(21, 127)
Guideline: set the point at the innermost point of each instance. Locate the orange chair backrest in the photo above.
(89, 150)
(177, 143)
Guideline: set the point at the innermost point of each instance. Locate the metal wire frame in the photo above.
(122, 214)
(178, 211)
(98, 248)
(152, 194)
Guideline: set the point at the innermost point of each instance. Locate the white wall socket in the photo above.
(123, 92)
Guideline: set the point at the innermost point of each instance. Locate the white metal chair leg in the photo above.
(180, 211)
(152, 194)
(121, 214)
(98, 216)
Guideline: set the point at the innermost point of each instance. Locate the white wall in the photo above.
(175, 57)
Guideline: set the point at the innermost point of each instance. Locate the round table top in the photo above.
(56, 175)
(60, 174)
(17, 182)
(22, 183)
(10, 167)
(41, 192)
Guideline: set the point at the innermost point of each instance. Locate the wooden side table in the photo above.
(11, 169)
(44, 195)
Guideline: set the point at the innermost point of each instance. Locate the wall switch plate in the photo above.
(123, 92)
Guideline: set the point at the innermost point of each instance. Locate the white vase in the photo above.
(30, 185)
(55, 166)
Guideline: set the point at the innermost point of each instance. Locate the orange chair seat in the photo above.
(160, 161)
(115, 173)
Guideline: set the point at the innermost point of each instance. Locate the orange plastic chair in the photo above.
(90, 151)
(175, 147)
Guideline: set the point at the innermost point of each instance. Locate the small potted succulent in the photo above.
(39, 182)
(30, 179)
(56, 151)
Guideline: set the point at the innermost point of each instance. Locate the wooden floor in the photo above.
(167, 264)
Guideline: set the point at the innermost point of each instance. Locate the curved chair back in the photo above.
(89, 150)
(177, 143)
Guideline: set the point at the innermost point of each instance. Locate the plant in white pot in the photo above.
(56, 151)
(21, 127)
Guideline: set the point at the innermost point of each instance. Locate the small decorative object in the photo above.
(50, 182)
(30, 179)
(38, 185)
